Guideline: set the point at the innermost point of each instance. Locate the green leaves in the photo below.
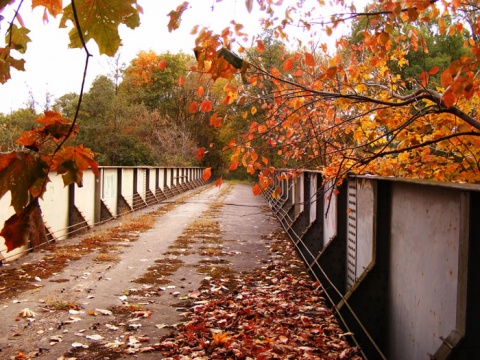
(99, 21)
(16, 39)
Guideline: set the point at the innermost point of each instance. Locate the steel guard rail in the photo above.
(398, 259)
(71, 210)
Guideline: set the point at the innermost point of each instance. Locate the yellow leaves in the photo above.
(99, 20)
(277, 193)
(275, 73)
(253, 110)
(402, 62)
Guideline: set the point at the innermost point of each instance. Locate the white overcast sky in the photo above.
(54, 68)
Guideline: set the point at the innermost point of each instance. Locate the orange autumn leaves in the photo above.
(45, 151)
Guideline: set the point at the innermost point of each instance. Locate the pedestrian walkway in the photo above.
(88, 283)
(125, 297)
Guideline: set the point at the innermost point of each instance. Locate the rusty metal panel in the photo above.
(423, 277)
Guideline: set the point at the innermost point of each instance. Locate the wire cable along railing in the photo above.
(126, 204)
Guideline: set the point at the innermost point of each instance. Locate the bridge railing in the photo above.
(398, 259)
(71, 210)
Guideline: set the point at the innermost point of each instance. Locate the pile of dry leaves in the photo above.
(274, 313)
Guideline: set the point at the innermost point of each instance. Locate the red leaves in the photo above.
(206, 106)
(25, 175)
(256, 190)
(22, 174)
(272, 313)
(288, 64)
(54, 127)
(207, 173)
(215, 121)
(24, 227)
(193, 107)
(260, 46)
(200, 153)
(310, 60)
(162, 64)
(424, 77)
(71, 162)
(448, 98)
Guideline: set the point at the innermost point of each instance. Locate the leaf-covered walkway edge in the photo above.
(276, 312)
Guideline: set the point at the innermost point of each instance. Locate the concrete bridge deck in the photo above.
(128, 288)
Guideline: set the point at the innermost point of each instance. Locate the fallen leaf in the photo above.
(77, 345)
(94, 337)
(27, 313)
(104, 312)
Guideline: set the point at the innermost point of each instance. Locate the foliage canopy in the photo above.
(398, 96)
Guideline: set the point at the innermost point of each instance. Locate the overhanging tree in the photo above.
(353, 109)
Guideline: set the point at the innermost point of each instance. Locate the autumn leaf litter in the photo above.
(276, 312)
(273, 312)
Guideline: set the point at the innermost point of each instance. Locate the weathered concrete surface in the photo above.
(243, 220)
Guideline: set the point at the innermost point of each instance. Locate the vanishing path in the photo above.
(132, 287)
